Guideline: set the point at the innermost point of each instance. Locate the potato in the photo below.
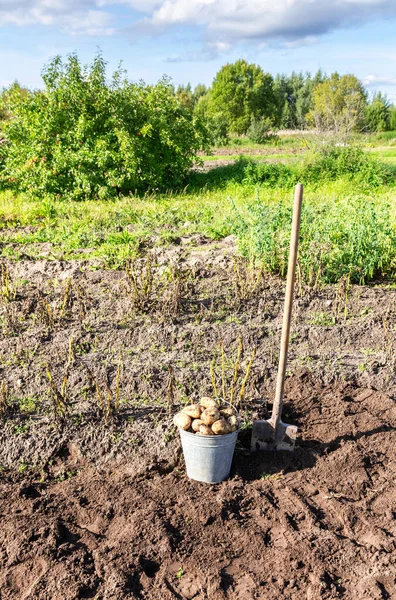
(208, 403)
(227, 412)
(210, 416)
(195, 425)
(233, 422)
(193, 411)
(205, 430)
(221, 427)
(182, 421)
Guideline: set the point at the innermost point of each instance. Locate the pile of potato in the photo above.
(207, 418)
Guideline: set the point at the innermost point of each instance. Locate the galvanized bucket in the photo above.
(208, 458)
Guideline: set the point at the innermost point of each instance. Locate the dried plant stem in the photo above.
(66, 298)
(108, 402)
(117, 383)
(71, 356)
(236, 369)
(59, 397)
(243, 385)
(170, 388)
(4, 398)
(213, 378)
(7, 288)
(223, 380)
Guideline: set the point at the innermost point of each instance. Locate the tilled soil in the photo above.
(96, 508)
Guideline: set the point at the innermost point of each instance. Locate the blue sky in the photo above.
(190, 40)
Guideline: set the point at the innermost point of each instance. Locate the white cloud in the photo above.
(227, 22)
(261, 20)
(374, 80)
(73, 16)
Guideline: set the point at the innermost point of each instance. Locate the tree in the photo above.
(339, 105)
(392, 118)
(185, 96)
(199, 91)
(242, 91)
(15, 89)
(294, 98)
(378, 113)
(216, 123)
(82, 137)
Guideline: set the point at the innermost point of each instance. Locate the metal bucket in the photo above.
(208, 458)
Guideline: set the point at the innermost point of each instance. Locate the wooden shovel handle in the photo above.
(291, 271)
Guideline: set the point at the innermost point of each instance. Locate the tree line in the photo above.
(243, 99)
(83, 135)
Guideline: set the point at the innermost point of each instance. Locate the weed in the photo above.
(21, 429)
(65, 476)
(23, 466)
(168, 436)
(77, 419)
(28, 404)
(180, 573)
(246, 422)
(270, 476)
(322, 319)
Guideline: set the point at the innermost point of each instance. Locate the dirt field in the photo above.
(95, 508)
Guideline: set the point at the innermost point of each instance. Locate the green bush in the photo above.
(261, 131)
(218, 131)
(330, 163)
(83, 137)
(349, 162)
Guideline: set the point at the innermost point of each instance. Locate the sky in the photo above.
(189, 40)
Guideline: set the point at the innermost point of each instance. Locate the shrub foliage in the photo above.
(84, 137)
(329, 164)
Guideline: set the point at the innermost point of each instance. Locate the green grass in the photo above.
(344, 230)
(348, 224)
(384, 153)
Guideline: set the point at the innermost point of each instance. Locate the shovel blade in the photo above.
(265, 437)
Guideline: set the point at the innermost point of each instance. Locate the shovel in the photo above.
(274, 434)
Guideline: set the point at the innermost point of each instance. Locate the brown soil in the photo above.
(103, 509)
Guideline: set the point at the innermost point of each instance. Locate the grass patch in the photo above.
(348, 223)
